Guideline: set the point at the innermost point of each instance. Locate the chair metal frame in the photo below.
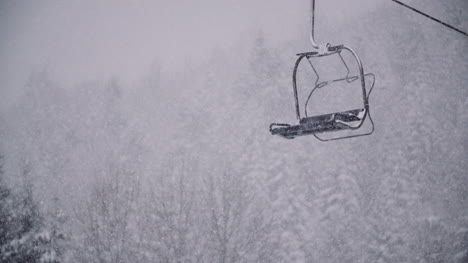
(321, 51)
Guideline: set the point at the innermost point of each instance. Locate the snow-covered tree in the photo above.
(23, 235)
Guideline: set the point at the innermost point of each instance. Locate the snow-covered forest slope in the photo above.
(181, 167)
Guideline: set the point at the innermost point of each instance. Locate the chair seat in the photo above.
(321, 123)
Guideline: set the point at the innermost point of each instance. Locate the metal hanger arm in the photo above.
(312, 39)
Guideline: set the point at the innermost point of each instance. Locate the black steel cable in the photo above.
(430, 17)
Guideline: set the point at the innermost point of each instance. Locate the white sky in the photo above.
(83, 40)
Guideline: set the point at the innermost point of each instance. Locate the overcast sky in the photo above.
(84, 40)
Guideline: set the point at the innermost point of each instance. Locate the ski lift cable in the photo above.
(431, 17)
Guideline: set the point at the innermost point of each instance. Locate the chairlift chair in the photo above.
(333, 122)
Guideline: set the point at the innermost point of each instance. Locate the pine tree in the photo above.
(23, 237)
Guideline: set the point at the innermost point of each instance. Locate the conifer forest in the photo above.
(137, 131)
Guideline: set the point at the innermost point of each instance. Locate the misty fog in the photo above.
(137, 131)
